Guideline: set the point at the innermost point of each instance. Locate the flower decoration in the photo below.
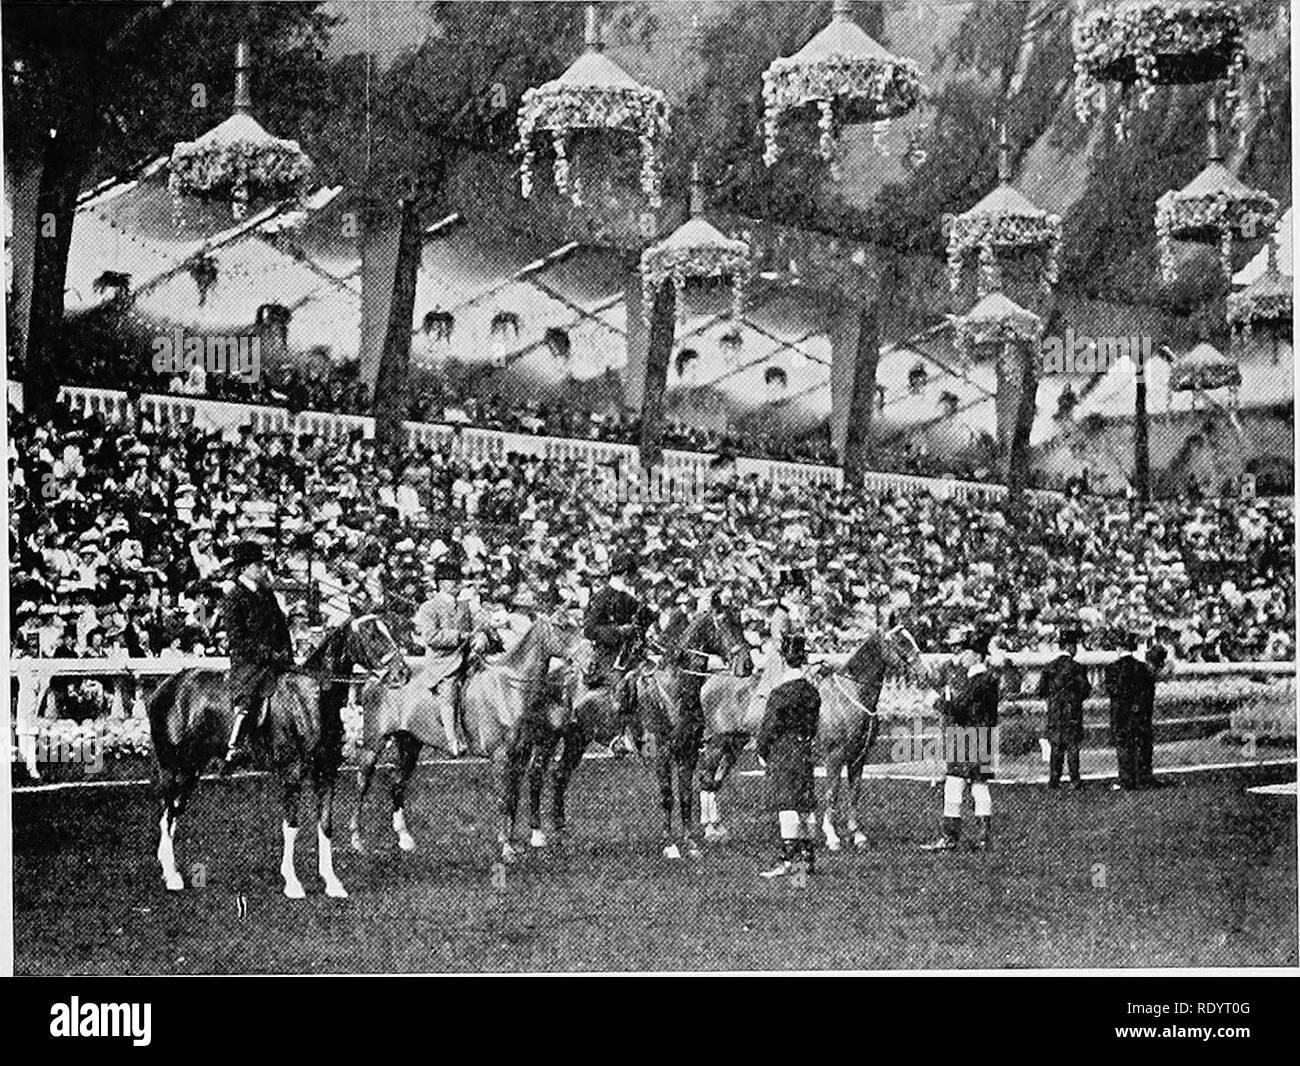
(1266, 300)
(996, 320)
(1203, 369)
(1215, 208)
(1144, 43)
(1003, 223)
(595, 94)
(695, 251)
(848, 76)
(241, 160)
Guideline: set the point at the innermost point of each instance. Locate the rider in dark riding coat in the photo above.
(698, 651)
(257, 640)
(615, 623)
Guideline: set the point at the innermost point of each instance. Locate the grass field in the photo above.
(1201, 874)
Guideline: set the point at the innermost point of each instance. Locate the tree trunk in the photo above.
(1024, 363)
(395, 360)
(663, 328)
(65, 165)
(1141, 445)
(862, 400)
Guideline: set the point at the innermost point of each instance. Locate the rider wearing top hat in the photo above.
(615, 623)
(257, 639)
(790, 615)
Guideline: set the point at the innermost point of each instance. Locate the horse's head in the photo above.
(886, 652)
(367, 642)
(556, 636)
(731, 641)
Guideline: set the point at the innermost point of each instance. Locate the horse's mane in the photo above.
(868, 654)
(325, 656)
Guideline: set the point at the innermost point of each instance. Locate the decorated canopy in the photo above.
(595, 94)
(1266, 300)
(1204, 368)
(849, 76)
(696, 250)
(238, 158)
(1214, 208)
(1005, 222)
(996, 320)
(1144, 43)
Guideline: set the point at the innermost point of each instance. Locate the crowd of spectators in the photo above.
(119, 534)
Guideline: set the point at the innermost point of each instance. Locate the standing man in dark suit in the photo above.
(1131, 686)
(615, 623)
(785, 742)
(969, 713)
(257, 640)
(1064, 684)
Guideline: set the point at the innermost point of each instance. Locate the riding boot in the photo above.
(949, 838)
(981, 842)
(785, 860)
(234, 747)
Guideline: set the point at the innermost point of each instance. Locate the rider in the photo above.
(257, 640)
(790, 615)
(697, 652)
(615, 623)
(445, 626)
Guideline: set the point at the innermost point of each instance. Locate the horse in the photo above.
(848, 726)
(300, 735)
(511, 705)
(660, 699)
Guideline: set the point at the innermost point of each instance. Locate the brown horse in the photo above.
(670, 711)
(512, 706)
(848, 726)
(300, 735)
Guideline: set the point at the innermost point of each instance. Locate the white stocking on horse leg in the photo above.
(292, 886)
(325, 863)
(404, 839)
(537, 839)
(167, 854)
(832, 837)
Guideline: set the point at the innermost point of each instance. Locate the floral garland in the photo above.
(873, 90)
(990, 233)
(1246, 308)
(1022, 327)
(1106, 41)
(244, 170)
(566, 109)
(1188, 218)
(681, 264)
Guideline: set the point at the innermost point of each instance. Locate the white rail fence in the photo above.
(34, 677)
(484, 445)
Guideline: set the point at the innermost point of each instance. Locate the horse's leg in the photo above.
(292, 788)
(664, 774)
(543, 752)
(576, 740)
(687, 757)
(323, 779)
(369, 759)
(175, 787)
(512, 762)
(856, 765)
(834, 765)
(720, 756)
(408, 755)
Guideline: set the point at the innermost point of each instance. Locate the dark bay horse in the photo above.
(300, 735)
(668, 702)
(849, 723)
(511, 706)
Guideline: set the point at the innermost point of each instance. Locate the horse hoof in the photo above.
(672, 851)
(860, 839)
(175, 883)
(715, 832)
(335, 890)
(294, 890)
(358, 845)
(833, 844)
(537, 839)
(406, 842)
(693, 849)
(508, 853)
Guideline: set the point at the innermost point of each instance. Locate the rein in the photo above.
(836, 682)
